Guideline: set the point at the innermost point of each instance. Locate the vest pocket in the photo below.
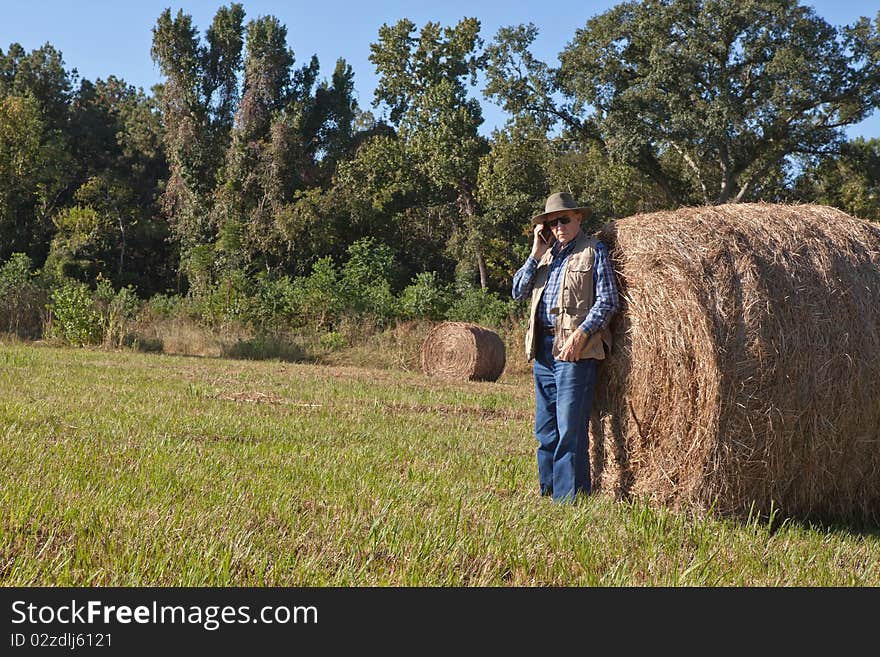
(566, 323)
(580, 288)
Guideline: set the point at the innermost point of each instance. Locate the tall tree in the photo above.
(36, 93)
(290, 132)
(267, 76)
(31, 156)
(222, 63)
(706, 97)
(41, 74)
(198, 99)
(423, 82)
(512, 184)
(336, 113)
(241, 212)
(115, 135)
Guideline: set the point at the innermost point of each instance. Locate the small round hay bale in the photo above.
(745, 374)
(459, 351)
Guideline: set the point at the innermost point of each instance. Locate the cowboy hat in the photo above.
(560, 202)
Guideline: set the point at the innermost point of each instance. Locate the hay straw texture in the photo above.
(746, 364)
(458, 351)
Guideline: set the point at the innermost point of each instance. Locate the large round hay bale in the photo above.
(459, 351)
(745, 373)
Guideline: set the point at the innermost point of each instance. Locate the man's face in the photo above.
(564, 232)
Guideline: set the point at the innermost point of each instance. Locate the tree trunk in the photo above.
(467, 206)
(484, 273)
(122, 247)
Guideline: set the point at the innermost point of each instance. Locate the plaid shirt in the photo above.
(606, 301)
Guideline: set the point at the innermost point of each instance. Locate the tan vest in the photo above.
(576, 297)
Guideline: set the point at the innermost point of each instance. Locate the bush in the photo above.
(117, 309)
(317, 301)
(275, 303)
(367, 277)
(332, 340)
(74, 317)
(426, 297)
(163, 306)
(22, 298)
(480, 307)
(229, 301)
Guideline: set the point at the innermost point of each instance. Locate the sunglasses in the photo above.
(559, 220)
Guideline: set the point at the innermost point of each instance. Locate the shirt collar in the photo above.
(559, 250)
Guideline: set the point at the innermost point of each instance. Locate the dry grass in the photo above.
(185, 337)
(396, 347)
(746, 369)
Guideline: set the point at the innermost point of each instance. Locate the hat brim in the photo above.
(544, 216)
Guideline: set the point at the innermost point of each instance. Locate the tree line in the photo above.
(247, 172)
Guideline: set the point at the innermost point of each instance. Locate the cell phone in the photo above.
(547, 235)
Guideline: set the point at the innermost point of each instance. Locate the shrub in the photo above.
(275, 302)
(74, 317)
(317, 300)
(367, 277)
(228, 301)
(163, 306)
(426, 297)
(332, 340)
(480, 307)
(22, 298)
(117, 309)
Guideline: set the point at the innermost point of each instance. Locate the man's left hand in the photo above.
(571, 350)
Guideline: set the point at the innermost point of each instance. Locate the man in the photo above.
(573, 296)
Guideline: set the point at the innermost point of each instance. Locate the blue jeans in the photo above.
(563, 397)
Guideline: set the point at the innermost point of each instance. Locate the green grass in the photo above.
(130, 469)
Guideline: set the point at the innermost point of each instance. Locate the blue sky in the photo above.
(112, 37)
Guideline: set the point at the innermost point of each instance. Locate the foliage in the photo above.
(78, 245)
(163, 306)
(228, 301)
(198, 99)
(41, 75)
(118, 309)
(511, 186)
(317, 296)
(849, 180)
(274, 303)
(367, 279)
(422, 82)
(80, 317)
(473, 304)
(377, 182)
(75, 319)
(22, 298)
(116, 136)
(250, 190)
(244, 171)
(426, 296)
(97, 145)
(706, 98)
(31, 173)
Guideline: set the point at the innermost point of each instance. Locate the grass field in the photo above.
(131, 469)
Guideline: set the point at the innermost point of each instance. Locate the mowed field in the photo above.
(122, 468)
